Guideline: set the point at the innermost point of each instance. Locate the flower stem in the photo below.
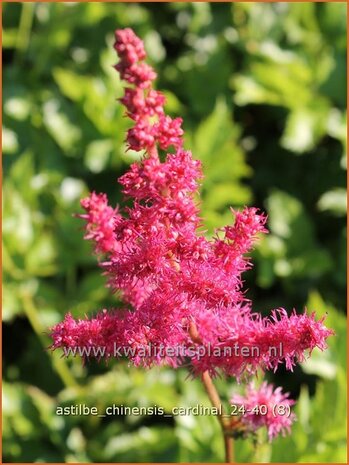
(59, 364)
(24, 29)
(216, 402)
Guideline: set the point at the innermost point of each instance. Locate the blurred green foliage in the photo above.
(261, 88)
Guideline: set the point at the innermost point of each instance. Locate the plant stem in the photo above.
(216, 402)
(24, 29)
(229, 448)
(59, 364)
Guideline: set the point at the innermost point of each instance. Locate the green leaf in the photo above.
(63, 131)
(334, 201)
(304, 128)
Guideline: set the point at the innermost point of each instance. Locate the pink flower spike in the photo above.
(143, 103)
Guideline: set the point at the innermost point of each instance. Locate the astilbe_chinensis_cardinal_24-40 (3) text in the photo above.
(180, 288)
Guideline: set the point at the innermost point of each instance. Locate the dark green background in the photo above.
(261, 88)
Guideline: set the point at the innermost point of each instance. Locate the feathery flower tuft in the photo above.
(101, 221)
(266, 406)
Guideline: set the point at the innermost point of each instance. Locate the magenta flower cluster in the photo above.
(265, 406)
(179, 287)
(142, 102)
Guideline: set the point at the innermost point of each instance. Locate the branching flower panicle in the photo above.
(171, 275)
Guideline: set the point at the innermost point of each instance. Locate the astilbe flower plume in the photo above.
(156, 255)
